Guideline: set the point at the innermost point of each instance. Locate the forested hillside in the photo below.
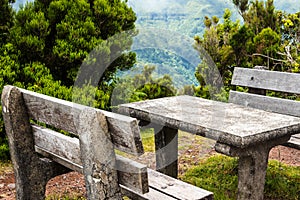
(181, 16)
(186, 16)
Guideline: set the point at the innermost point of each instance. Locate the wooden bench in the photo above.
(259, 81)
(39, 153)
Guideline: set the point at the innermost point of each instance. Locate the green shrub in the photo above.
(218, 174)
(4, 150)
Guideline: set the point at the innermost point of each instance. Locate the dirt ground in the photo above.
(72, 184)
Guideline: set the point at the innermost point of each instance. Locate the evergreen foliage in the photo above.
(44, 44)
(143, 86)
(268, 37)
(62, 33)
(6, 19)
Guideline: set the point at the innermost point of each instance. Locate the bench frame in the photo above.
(39, 154)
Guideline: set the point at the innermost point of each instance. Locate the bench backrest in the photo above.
(92, 153)
(266, 80)
(258, 81)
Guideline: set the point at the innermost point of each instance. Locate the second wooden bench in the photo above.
(259, 81)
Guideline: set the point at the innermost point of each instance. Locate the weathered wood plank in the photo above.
(175, 188)
(167, 188)
(294, 142)
(31, 172)
(65, 115)
(264, 79)
(132, 174)
(124, 166)
(297, 136)
(65, 150)
(151, 195)
(58, 159)
(272, 104)
(57, 143)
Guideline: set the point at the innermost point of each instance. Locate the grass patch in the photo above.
(147, 136)
(283, 181)
(185, 139)
(218, 174)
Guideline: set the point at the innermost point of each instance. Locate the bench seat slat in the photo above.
(176, 188)
(167, 188)
(264, 79)
(66, 151)
(294, 142)
(297, 136)
(151, 195)
(65, 115)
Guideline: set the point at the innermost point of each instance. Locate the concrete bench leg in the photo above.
(31, 172)
(253, 162)
(166, 149)
(252, 173)
(98, 157)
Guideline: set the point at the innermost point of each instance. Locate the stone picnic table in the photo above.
(243, 132)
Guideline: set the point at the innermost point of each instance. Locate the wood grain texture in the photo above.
(65, 150)
(31, 172)
(163, 187)
(264, 79)
(65, 115)
(176, 188)
(57, 143)
(277, 81)
(271, 104)
(132, 174)
(151, 195)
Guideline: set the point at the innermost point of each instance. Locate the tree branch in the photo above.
(262, 55)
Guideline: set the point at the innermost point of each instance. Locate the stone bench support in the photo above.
(252, 166)
(30, 183)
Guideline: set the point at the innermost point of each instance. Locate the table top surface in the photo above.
(225, 122)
